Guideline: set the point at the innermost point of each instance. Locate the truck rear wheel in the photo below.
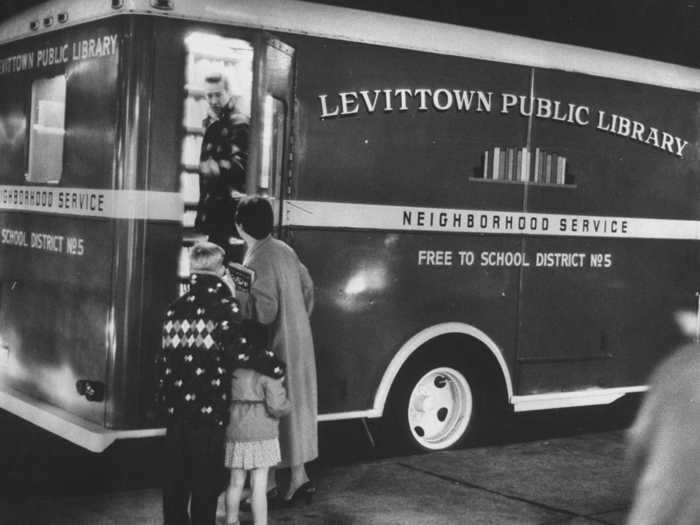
(440, 408)
(431, 407)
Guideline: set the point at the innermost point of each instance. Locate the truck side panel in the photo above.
(373, 294)
(570, 310)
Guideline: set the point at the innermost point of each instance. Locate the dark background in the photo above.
(665, 30)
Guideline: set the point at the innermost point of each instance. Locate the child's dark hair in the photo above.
(255, 353)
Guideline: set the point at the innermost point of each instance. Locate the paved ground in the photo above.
(567, 480)
(551, 469)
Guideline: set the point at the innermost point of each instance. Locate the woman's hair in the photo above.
(206, 257)
(254, 215)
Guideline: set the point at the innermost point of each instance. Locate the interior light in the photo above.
(162, 4)
(213, 44)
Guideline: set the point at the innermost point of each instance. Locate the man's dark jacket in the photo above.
(226, 138)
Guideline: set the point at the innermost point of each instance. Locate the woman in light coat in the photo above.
(281, 297)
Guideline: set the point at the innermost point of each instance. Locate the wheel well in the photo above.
(479, 361)
(472, 356)
(465, 345)
(471, 346)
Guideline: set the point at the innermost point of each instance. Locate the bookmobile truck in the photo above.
(492, 222)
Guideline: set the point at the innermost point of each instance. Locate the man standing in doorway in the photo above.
(222, 167)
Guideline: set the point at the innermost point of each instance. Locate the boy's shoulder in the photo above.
(206, 298)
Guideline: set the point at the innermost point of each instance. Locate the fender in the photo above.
(406, 351)
(422, 337)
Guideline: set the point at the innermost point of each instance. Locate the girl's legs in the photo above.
(271, 486)
(258, 486)
(233, 495)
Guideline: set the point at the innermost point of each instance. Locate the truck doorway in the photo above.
(237, 127)
(215, 146)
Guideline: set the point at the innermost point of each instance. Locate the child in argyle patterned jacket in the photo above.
(202, 332)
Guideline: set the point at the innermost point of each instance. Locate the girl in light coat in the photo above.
(258, 400)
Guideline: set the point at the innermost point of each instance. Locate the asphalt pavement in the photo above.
(549, 468)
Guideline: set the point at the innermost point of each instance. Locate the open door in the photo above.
(271, 141)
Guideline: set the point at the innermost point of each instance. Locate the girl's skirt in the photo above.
(252, 454)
